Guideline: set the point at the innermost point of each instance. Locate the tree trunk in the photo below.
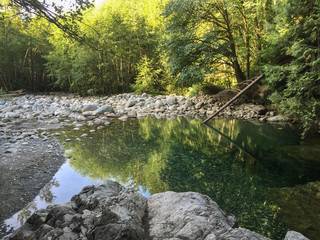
(235, 63)
(238, 72)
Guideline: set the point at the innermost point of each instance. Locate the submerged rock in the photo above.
(111, 211)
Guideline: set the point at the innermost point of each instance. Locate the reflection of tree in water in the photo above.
(45, 195)
(26, 212)
(182, 155)
(227, 182)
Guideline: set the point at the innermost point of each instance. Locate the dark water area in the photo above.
(262, 173)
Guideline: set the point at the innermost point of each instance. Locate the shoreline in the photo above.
(25, 142)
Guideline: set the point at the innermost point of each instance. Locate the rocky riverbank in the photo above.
(111, 211)
(49, 109)
(26, 165)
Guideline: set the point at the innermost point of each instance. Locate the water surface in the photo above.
(250, 169)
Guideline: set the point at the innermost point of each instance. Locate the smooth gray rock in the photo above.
(171, 100)
(277, 118)
(158, 104)
(103, 109)
(292, 235)
(63, 112)
(90, 107)
(132, 113)
(186, 216)
(131, 103)
(2, 101)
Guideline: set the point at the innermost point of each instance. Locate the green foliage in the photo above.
(125, 35)
(22, 46)
(296, 83)
(212, 37)
(124, 45)
(148, 78)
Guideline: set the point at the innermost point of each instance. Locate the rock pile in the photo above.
(53, 108)
(22, 117)
(111, 211)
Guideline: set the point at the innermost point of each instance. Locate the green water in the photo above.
(250, 169)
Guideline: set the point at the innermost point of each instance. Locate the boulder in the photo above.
(199, 105)
(192, 216)
(171, 100)
(103, 109)
(158, 104)
(131, 103)
(90, 107)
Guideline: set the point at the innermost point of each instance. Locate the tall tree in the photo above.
(294, 72)
(122, 33)
(201, 36)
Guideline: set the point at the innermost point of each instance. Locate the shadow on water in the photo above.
(249, 168)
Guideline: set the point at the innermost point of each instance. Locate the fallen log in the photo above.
(235, 98)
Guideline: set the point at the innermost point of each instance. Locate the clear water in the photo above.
(264, 174)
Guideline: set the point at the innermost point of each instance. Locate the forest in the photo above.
(165, 47)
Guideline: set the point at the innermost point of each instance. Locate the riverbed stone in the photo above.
(90, 107)
(158, 104)
(117, 105)
(171, 100)
(277, 118)
(131, 103)
(101, 110)
(2, 101)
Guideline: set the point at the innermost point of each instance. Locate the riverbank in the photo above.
(50, 109)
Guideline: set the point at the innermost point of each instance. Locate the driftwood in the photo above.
(234, 98)
(14, 93)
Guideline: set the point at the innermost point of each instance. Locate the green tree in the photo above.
(22, 46)
(122, 33)
(211, 36)
(294, 70)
